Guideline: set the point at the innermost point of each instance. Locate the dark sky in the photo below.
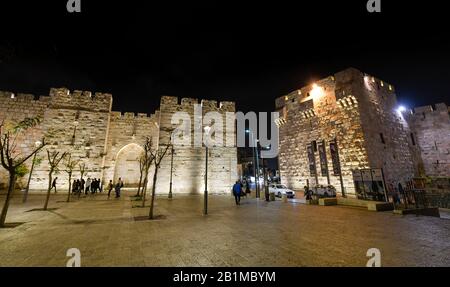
(250, 53)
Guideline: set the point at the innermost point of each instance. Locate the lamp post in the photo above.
(205, 194)
(171, 167)
(266, 186)
(256, 163)
(25, 195)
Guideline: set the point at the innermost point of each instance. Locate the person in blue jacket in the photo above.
(237, 189)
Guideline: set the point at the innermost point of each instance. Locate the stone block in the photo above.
(328, 201)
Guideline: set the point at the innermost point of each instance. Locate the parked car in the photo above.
(279, 190)
(324, 191)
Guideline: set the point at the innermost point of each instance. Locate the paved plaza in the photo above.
(109, 232)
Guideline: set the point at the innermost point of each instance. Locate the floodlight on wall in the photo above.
(316, 91)
(401, 109)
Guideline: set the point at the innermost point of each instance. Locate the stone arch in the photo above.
(127, 164)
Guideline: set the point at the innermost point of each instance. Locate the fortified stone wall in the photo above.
(109, 144)
(189, 161)
(76, 123)
(127, 134)
(15, 108)
(431, 132)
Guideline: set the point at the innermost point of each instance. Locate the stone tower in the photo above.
(357, 113)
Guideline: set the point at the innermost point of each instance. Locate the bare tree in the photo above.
(54, 158)
(69, 166)
(141, 173)
(36, 161)
(147, 159)
(82, 167)
(11, 158)
(158, 155)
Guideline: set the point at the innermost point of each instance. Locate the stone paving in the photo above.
(256, 233)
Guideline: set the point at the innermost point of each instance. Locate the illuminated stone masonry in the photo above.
(359, 115)
(109, 143)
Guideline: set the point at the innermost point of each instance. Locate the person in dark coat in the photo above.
(110, 187)
(54, 183)
(237, 189)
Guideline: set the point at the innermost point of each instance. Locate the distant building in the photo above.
(347, 129)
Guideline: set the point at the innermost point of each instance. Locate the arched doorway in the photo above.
(127, 165)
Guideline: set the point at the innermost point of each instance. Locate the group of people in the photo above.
(89, 186)
(238, 191)
(117, 187)
(93, 186)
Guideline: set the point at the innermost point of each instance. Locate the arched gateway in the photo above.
(127, 164)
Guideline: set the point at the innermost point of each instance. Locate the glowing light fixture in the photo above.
(316, 91)
(401, 109)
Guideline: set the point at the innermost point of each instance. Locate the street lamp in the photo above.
(266, 186)
(25, 196)
(205, 194)
(256, 165)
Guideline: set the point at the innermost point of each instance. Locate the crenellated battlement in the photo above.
(63, 98)
(116, 115)
(429, 109)
(22, 97)
(224, 106)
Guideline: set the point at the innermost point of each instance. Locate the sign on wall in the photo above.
(311, 160)
(323, 159)
(369, 184)
(335, 158)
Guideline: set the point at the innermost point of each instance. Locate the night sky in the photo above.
(251, 54)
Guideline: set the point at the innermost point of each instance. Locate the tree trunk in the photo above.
(144, 191)
(139, 187)
(48, 190)
(70, 186)
(150, 216)
(25, 196)
(12, 183)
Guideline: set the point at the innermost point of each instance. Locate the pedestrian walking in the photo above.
(54, 184)
(237, 189)
(117, 188)
(247, 188)
(110, 187)
(88, 185)
(74, 186)
(94, 186)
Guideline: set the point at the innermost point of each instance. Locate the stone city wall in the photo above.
(431, 132)
(127, 135)
(189, 161)
(110, 143)
(15, 108)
